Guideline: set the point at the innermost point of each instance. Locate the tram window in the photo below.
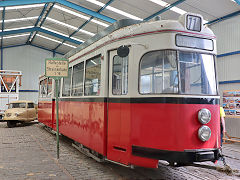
(158, 72)
(197, 73)
(77, 84)
(93, 77)
(43, 88)
(67, 84)
(49, 86)
(120, 75)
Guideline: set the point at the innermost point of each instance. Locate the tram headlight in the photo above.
(204, 133)
(204, 116)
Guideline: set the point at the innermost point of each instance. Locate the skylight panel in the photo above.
(19, 19)
(70, 26)
(80, 15)
(115, 10)
(54, 40)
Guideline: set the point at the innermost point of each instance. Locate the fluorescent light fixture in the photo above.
(164, 4)
(19, 35)
(61, 34)
(19, 19)
(54, 40)
(80, 15)
(18, 28)
(115, 10)
(69, 45)
(70, 26)
(77, 39)
(24, 6)
(175, 9)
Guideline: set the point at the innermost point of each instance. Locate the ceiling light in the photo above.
(175, 9)
(19, 35)
(18, 28)
(61, 33)
(70, 45)
(77, 39)
(54, 40)
(19, 19)
(24, 6)
(80, 15)
(115, 10)
(69, 26)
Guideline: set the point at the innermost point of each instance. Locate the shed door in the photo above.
(118, 109)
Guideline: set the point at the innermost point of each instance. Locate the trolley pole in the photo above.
(56, 68)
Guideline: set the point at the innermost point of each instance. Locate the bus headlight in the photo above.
(204, 133)
(204, 116)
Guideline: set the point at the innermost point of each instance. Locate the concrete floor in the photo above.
(29, 152)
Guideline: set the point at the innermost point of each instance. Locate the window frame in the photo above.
(85, 71)
(83, 80)
(121, 69)
(139, 72)
(179, 80)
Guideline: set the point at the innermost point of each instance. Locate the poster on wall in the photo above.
(231, 103)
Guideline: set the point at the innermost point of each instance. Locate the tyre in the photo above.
(11, 124)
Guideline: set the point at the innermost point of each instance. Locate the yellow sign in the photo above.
(56, 67)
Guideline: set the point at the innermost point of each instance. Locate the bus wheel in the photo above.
(11, 124)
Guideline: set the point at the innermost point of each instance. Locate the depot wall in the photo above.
(228, 66)
(30, 60)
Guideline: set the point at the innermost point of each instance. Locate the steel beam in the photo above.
(40, 47)
(164, 9)
(39, 18)
(49, 10)
(62, 2)
(224, 18)
(86, 22)
(19, 45)
(3, 18)
(40, 30)
(238, 2)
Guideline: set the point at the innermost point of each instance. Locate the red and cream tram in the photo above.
(140, 92)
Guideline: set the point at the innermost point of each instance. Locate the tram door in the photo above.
(118, 109)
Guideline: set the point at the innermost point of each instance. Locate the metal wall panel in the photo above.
(29, 60)
(228, 36)
(227, 33)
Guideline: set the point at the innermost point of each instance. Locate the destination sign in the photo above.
(56, 67)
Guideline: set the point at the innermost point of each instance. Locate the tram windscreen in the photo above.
(197, 73)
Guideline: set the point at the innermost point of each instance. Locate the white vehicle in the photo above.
(9, 88)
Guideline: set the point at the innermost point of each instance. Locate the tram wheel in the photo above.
(11, 124)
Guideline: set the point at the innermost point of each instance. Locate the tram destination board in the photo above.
(56, 67)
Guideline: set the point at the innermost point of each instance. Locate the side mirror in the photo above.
(123, 51)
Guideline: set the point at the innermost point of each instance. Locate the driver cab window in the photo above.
(158, 72)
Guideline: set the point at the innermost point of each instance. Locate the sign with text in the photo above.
(56, 67)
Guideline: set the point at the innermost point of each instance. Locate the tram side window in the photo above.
(120, 75)
(49, 87)
(158, 72)
(66, 91)
(77, 83)
(43, 88)
(93, 77)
